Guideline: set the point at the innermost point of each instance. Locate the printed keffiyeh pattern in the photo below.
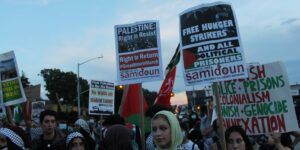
(83, 124)
(72, 136)
(13, 137)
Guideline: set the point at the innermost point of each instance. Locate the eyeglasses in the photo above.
(237, 141)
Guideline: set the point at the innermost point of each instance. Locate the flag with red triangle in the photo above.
(166, 88)
(130, 104)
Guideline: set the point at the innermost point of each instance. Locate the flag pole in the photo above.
(142, 117)
(220, 118)
(123, 97)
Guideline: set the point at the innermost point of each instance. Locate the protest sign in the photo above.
(11, 87)
(138, 52)
(101, 98)
(210, 44)
(33, 92)
(36, 108)
(261, 103)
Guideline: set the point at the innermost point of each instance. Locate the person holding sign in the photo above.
(236, 138)
(166, 131)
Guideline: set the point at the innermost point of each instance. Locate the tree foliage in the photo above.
(24, 80)
(61, 84)
(150, 96)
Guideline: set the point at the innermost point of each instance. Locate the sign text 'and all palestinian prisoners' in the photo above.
(211, 44)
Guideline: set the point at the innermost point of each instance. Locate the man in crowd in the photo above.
(51, 137)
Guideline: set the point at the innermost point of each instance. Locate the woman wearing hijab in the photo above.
(75, 141)
(166, 131)
(10, 140)
(84, 129)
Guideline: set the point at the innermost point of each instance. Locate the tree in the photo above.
(63, 85)
(150, 96)
(25, 80)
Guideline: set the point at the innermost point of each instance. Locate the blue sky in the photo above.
(62, 33)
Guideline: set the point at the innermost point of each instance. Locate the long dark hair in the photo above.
(242, 132)
(118, 137)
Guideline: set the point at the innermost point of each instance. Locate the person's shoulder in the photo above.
(189, 145)
(37, 139)
(59, 139)
(59, 134)
(180, 147)
(194, 146)
(36, 143)
(59, 142)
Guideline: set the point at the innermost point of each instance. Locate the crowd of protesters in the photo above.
(169, 131)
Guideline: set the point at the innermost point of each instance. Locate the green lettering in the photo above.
(252, 86)
(282, 81)
(284, 106)
(269, 108)
(246, 85)
(264, 84)
(254, 111)
(247, 112)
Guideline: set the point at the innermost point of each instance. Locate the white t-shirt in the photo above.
(189, 146)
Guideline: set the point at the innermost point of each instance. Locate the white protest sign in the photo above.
(101, 98)
(36, 108)
(138, 52)
(12, 91)
(210, 44)
(261, 103)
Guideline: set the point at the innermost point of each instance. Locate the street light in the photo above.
(120, 87)
(78, 82)
(172, 94)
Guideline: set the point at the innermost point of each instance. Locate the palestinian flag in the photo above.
(130, 105)
(166, 88)
(174, 61)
